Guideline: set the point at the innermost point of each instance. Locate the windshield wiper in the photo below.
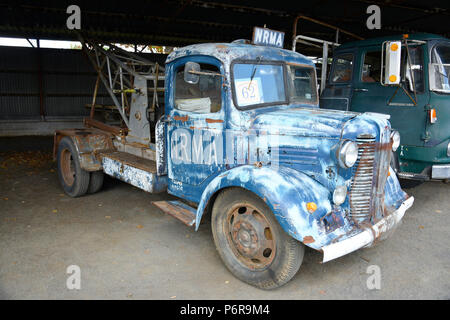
(258, 60)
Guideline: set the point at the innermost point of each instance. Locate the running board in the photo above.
(137, 171)
(178, 210)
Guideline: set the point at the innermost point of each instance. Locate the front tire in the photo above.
(74, 180)
(251, 242)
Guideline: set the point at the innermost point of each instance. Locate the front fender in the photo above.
(393, 193)
(286, 192)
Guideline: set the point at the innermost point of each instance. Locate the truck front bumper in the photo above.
(440, 171)
(367, 236)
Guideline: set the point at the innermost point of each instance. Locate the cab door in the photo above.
(407, 111)
(195, 125)
(338, 91)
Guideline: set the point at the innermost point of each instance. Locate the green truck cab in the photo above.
(406, 77)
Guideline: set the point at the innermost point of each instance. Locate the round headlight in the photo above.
(339, 195)
(395, 138)
(348, 154)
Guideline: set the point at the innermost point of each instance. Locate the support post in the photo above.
(94, 98)
(323, 76)
(40, 81)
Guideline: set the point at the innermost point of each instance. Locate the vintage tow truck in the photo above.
(240, 141)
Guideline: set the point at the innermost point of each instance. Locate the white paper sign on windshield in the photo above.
(248, 92)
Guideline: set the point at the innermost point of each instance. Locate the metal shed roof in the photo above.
(182, 22)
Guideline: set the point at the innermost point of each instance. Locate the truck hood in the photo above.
(303, 121)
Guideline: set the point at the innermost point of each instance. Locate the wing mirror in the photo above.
(191, 70)
(391, 53)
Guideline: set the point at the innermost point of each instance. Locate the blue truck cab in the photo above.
(243, 144)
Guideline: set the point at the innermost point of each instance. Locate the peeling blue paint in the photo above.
(139, 178)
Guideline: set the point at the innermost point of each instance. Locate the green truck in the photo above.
(406, 77)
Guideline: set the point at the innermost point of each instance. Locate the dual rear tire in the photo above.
(75, 180)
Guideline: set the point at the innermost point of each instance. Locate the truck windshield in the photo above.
(258, 84)
(261, 83)
(440, 68)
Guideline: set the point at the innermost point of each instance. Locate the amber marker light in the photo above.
(394, 47)
(433, 116)
(311, 207)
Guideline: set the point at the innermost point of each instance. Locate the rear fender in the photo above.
(88, 143)
(286, 192)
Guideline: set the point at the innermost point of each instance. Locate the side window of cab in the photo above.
(371, 69)
(342, 68)
(200, 90)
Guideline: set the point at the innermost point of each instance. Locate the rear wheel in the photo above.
(74, 180)
(250, 241)
(96, 181)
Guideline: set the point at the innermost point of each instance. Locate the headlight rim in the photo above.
(343, 149)
(395, 145)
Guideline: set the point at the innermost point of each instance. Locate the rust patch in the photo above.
(213, 120)
(182, 119)
(384, 146)
(308, 239)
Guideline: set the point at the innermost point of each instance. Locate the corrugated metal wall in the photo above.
(19, 89)
(67, 80)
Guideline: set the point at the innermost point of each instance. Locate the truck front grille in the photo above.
(363, 178)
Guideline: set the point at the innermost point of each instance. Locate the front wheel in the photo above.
(250, 241)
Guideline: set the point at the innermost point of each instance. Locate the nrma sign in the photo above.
(267, 37)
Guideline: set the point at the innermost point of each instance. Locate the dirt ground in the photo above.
(128, 249)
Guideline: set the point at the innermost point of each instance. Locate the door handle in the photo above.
(361, 90)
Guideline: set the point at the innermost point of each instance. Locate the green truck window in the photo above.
(440, 68)
(343, 66)
(416, 69)
(371, 67)
(202, 97)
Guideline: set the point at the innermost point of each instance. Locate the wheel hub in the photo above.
(250, 236)
(245, 238)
